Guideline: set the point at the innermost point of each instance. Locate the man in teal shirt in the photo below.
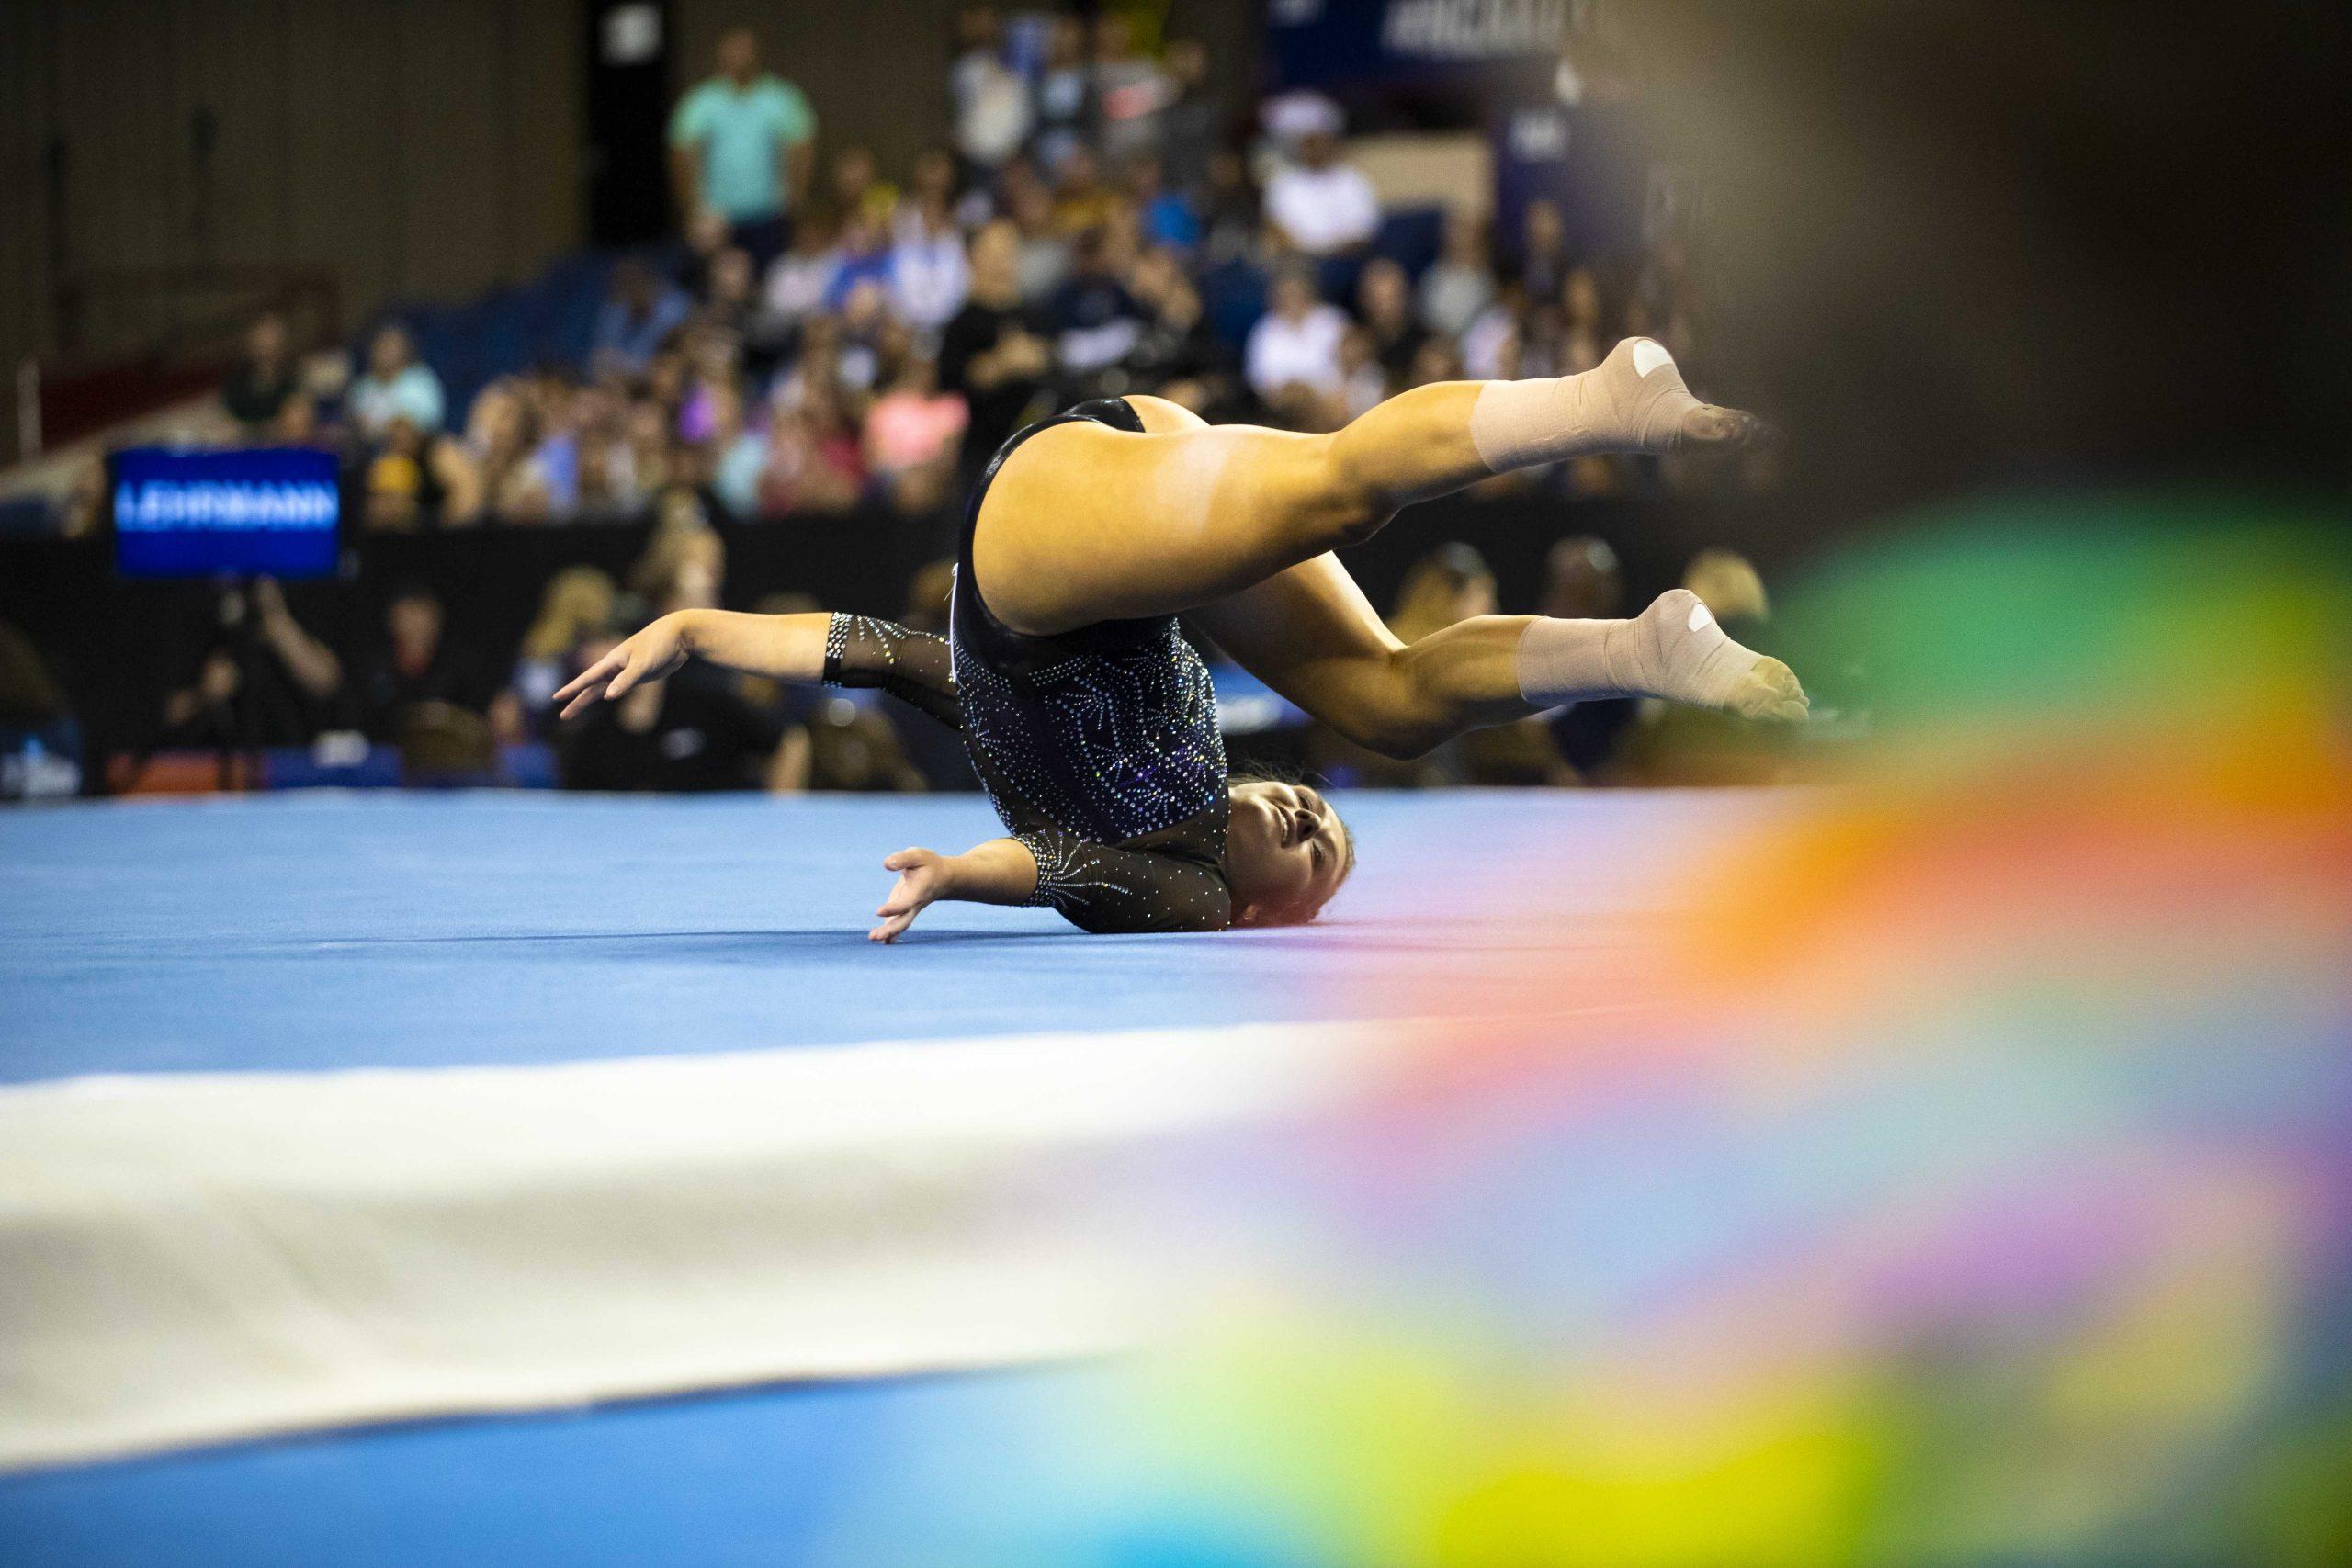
(741, 146)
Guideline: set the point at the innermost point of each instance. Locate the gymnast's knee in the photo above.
(1350, 508)
(1392, 719)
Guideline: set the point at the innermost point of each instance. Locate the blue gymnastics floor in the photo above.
(329, 931)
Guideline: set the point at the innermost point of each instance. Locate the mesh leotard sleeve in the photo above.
(914, 667)
(1098, 888)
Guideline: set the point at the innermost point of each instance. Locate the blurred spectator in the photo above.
(40, 743)
(1292, 357)
(683, 565)
(261, 679)
(1461, 283)
(1044, 249)
(1130, 90)
(1178, 354)
(928, 273)
(1165, 216)
(1081, 200)
(1447, 586)
(861, 259)
(1385, 305)
(1585, 340)
(1094, 319)
(264, 380)
(738, 454)
(1490, 346)
(585, 460)
(1318, 204)
(802, 278)
(496, 472)
(1451, 584)
(1542, 262)
(733, 304)
(1729, 585)
(575, 606)
(1189, 123)
(1231, 211)
(689, 733)
(741, 145)
(694, 732)
(397, 386)
(913, 434)
(854, 745)
(641, 312)
(1064, 100)
(412, 477)
(855, 187)
(297, 423)
(416, 663)
(992, 111)
(1581, 581)
(814, 463)
(994, 353)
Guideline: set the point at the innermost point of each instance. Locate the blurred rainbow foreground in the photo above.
(1976, 1187)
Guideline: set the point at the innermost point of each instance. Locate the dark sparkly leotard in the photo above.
(1099, 747)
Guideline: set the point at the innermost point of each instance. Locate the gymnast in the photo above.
(1089, 717)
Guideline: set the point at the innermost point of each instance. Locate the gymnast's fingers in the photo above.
(582, 701)
(593, 675)
(631, 673)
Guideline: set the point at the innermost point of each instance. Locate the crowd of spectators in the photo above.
(830, 334)
(833, 332)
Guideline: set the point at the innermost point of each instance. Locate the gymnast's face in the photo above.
(1285, 853)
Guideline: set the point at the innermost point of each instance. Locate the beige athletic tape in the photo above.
(1634, 402)
(1674, 649)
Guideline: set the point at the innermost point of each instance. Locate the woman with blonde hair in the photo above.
(576, 604)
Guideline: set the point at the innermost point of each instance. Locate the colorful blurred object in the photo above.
(1975, 1184)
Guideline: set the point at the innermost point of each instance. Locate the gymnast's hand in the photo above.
(650, 655)
(922, 877)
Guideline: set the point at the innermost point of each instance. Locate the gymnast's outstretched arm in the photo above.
(841, 650)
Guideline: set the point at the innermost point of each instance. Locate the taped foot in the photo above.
(1634, 400)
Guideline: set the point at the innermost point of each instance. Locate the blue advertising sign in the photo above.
(1344, 46)
(259, 511)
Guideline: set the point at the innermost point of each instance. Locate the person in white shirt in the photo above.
(992, 109)
(1320, 205)
(1294, 348)
(928, 275)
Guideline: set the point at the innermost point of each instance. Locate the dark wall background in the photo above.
(413, 149)
(422, 148)
(1979, 244)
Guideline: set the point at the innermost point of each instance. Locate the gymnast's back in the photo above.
(1099, 747)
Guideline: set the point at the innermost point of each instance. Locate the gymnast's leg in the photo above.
(1087, 524)
(1310, 633)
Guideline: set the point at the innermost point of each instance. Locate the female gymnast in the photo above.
(1089, 718)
